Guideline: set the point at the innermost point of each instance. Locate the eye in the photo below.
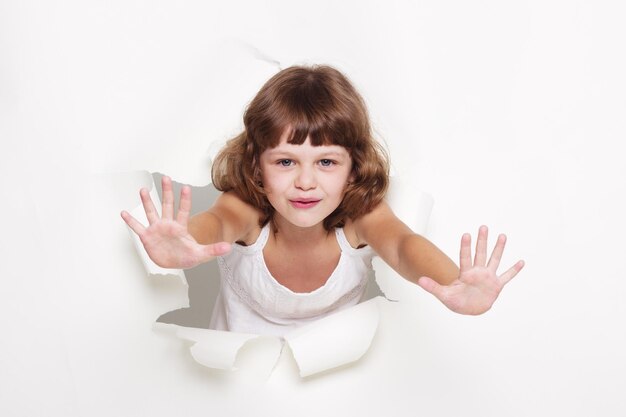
(326, 162)
(285, 162)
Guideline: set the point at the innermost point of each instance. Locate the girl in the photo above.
(302, 214)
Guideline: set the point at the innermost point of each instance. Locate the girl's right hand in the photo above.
(167, 240)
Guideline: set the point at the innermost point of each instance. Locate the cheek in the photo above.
(337, 186)
(273, 183)
(265, 175)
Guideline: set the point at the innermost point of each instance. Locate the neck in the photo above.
(292, 235)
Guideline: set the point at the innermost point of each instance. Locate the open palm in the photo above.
(167, 239)
(478, 284)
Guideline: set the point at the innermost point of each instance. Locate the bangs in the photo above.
(320, 130)
(314, 105)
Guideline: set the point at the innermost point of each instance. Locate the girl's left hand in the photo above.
(478, 285)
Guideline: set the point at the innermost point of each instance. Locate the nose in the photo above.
(306, 179)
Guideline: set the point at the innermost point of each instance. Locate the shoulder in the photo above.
(350, 234)
(240, 219)
(370, 227)
(380, 226)
(230, 200)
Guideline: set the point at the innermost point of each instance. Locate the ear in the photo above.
(258, 176)
(351, 177)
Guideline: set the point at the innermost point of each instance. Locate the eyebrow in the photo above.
(329, 154)
(334, 154)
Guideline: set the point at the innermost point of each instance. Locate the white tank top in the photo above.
(251, 300)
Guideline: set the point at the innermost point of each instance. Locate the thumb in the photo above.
(216, 249)
(429, 285)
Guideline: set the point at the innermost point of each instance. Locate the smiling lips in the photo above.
(304, 203)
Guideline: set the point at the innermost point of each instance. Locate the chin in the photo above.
(306, 224)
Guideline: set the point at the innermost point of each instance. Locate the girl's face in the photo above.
(305, 183)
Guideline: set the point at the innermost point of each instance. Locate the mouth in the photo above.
(304, 203)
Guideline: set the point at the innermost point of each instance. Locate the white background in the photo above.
(509, 114)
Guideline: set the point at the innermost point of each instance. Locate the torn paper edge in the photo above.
(328, 343)
(409, 204)
(215, 348)
(339, 339)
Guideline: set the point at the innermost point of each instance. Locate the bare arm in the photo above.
(472, 289)
(229, 220)
(408, 253)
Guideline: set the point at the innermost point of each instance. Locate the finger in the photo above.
(511, 272)
(465, 260)
(481, 247)
(133, 223)
(429, 285)
(496, 255)
(185, 206)
(167, 210)
(216, 249)
(151, 214)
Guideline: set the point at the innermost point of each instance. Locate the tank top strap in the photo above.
(346, 247)
(258, 245)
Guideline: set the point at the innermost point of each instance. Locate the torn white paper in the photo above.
(335, 340)
(217, 349)
(411, 205)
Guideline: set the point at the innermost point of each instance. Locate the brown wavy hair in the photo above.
(317, 102)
